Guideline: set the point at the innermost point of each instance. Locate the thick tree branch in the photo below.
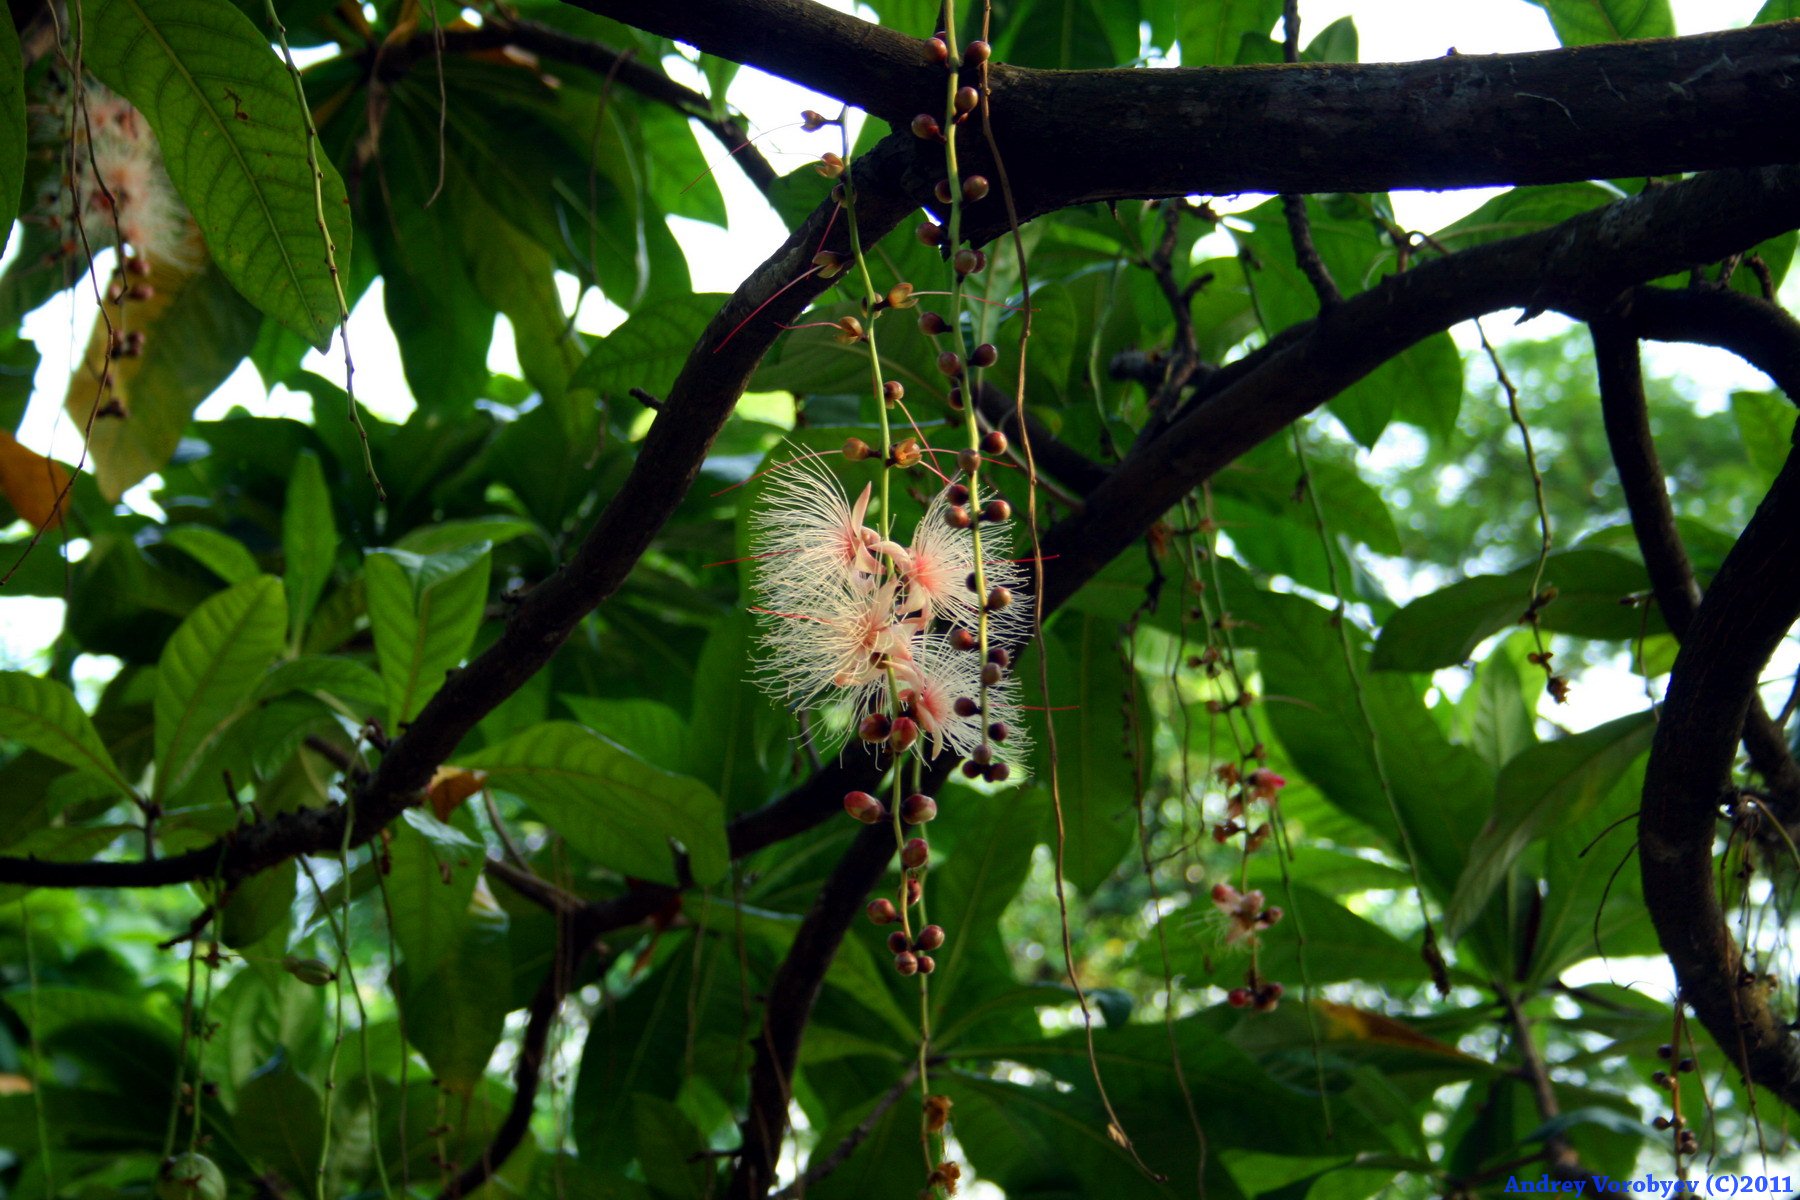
(1747, 609)
(1672, 579)
(1593, 112)
(394, 61)
(1764, 335)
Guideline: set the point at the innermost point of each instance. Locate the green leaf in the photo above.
(1210, 30)
(456, 1011)
(1096, 776)
(1337, 42)
(649, 349)
(1523, 210)
(279, 1122)
(1502, 708)
(1443, 629)
(613, 807)
(45, 716)
(424, 611)
(1583, 22)
(723, 722)
(218, 552)
(1542, 788)
(309, 541)
(339, 678)
(1765, 422)
(209, 668)
(429, 887)
(1777, 10)
(12, 125)
(258, 906)
(234, 141)
(649, 729)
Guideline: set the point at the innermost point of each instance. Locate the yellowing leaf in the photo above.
(195, 330)
(32, 484)
(450, 787)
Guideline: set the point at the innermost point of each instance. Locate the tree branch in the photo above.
(1652, 107)
(1672, 579)
(391, 62)
(1764, 335)
(1747, 610)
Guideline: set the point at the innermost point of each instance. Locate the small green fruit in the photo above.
(310, 971)
(190, 1177)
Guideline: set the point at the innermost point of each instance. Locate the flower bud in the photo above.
(996, 510)
(855, 449)
(975, 187)
(882, 912)
(957, 517)
(953, 399)
(927, 964)
(901, 296)
(925, 126)
(976, 53)
(830, 165)
(973, 770)
(966, 99)
(942, 191)
(930, 324)
(962, 639)
(967, 261)
(310, 971)
(897, 943)
(998, 599)
(997, 772)
(967, 461)
(917, 809)
(916, 853)
(983, 754)
(830, 263)
(906, 732)
(1268, 997)
(984, 355)
(965, 706)
(950, 363)
(812, 121)
(874, 728)
(993, 442)
(930, 938)
(914, 890)
(999, 731)
(906, 962)
(999, 657)
(892, 392)
(991, 674)
(936, 50)
(929, 233)
(1238, 997)
(865, 807)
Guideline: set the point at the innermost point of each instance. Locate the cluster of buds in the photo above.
(1244, 913)
(1264, 997)
(1670, 1081)
(1242, 790)
(113, 183)
(912, 955)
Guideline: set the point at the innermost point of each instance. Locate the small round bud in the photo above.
(917, 809)
(139, 291)
(914, 891)
(975, 187)
(993, 442)
(875, 728)
(950, 363)
(1238, 997)
(897, 943)
(865, 808)
(957, 493)
(930, 938)
(855, 449)
(999, 731)
(882, 912)
(906, 962)
(998, 772)
(1660, 1078)
(984, 355)
(967, 461)
(1224, 893)
(926, 126)
(983, 754)
(972, 583)
(967, 261)
(930, 324)
(310, 971)
(1268, 996)
(991, 674)
(891, 391)
(1686, 1064)
(906, 732)
(942, 191)
(137, 266)
(936, 50)
(999, 657)
(812, 121)
(976, 53)
(929, 233)
(953, 399)
(996, 510)
(957, 517)
(973, 770)
(1665, 1052)
(916, 853)
(965, 706)
(962, 639)
(966, 99)
(927, 964)
(998, 599)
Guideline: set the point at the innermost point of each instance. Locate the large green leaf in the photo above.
(45, 716)
(432, 877)
(1443, 629)
(1523, 210)
(424, 610)
(456, 1011)
(609, 804)
(279, 1121)
(234, 140)
(1583, 22)
(1211, 30)
(1765, 422)
(649, 349)
(1544, 786)
(12, 125)
(309, 541)
(209, 669)
(218, 552)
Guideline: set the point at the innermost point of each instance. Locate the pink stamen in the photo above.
(726, 562)
(743, 146)
(773, 467)
(784, 287)
(769, 612)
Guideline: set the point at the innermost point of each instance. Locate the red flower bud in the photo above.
(957, 493)
(975, 187)
(993, 442)
(937, 51)
(998, 772)
(896, 943)
(917, 809)
(929, 233)
(925, 126)
(916, 853)
(1238, 997)
(906, 962)
(967, 261)
(875, 728)
(855, 449)
(942, 191)
(892, 392)
(906, 732)
(864, 807)
(927, 964)
(966, 99)
(930, 938)
(962, 639)
(882, 912)
(996, 510)
(930, 323)
(950, 363)
(957, 517)
(984, 355)
(976, 53)
(998, 599)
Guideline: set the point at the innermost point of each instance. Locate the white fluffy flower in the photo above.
(940, 561)
(942, 675)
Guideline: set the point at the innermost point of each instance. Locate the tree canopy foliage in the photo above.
(456, 804)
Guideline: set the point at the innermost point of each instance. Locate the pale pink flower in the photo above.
(940, 561)
(939, 676)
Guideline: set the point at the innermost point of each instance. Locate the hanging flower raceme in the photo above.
(876, 632)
